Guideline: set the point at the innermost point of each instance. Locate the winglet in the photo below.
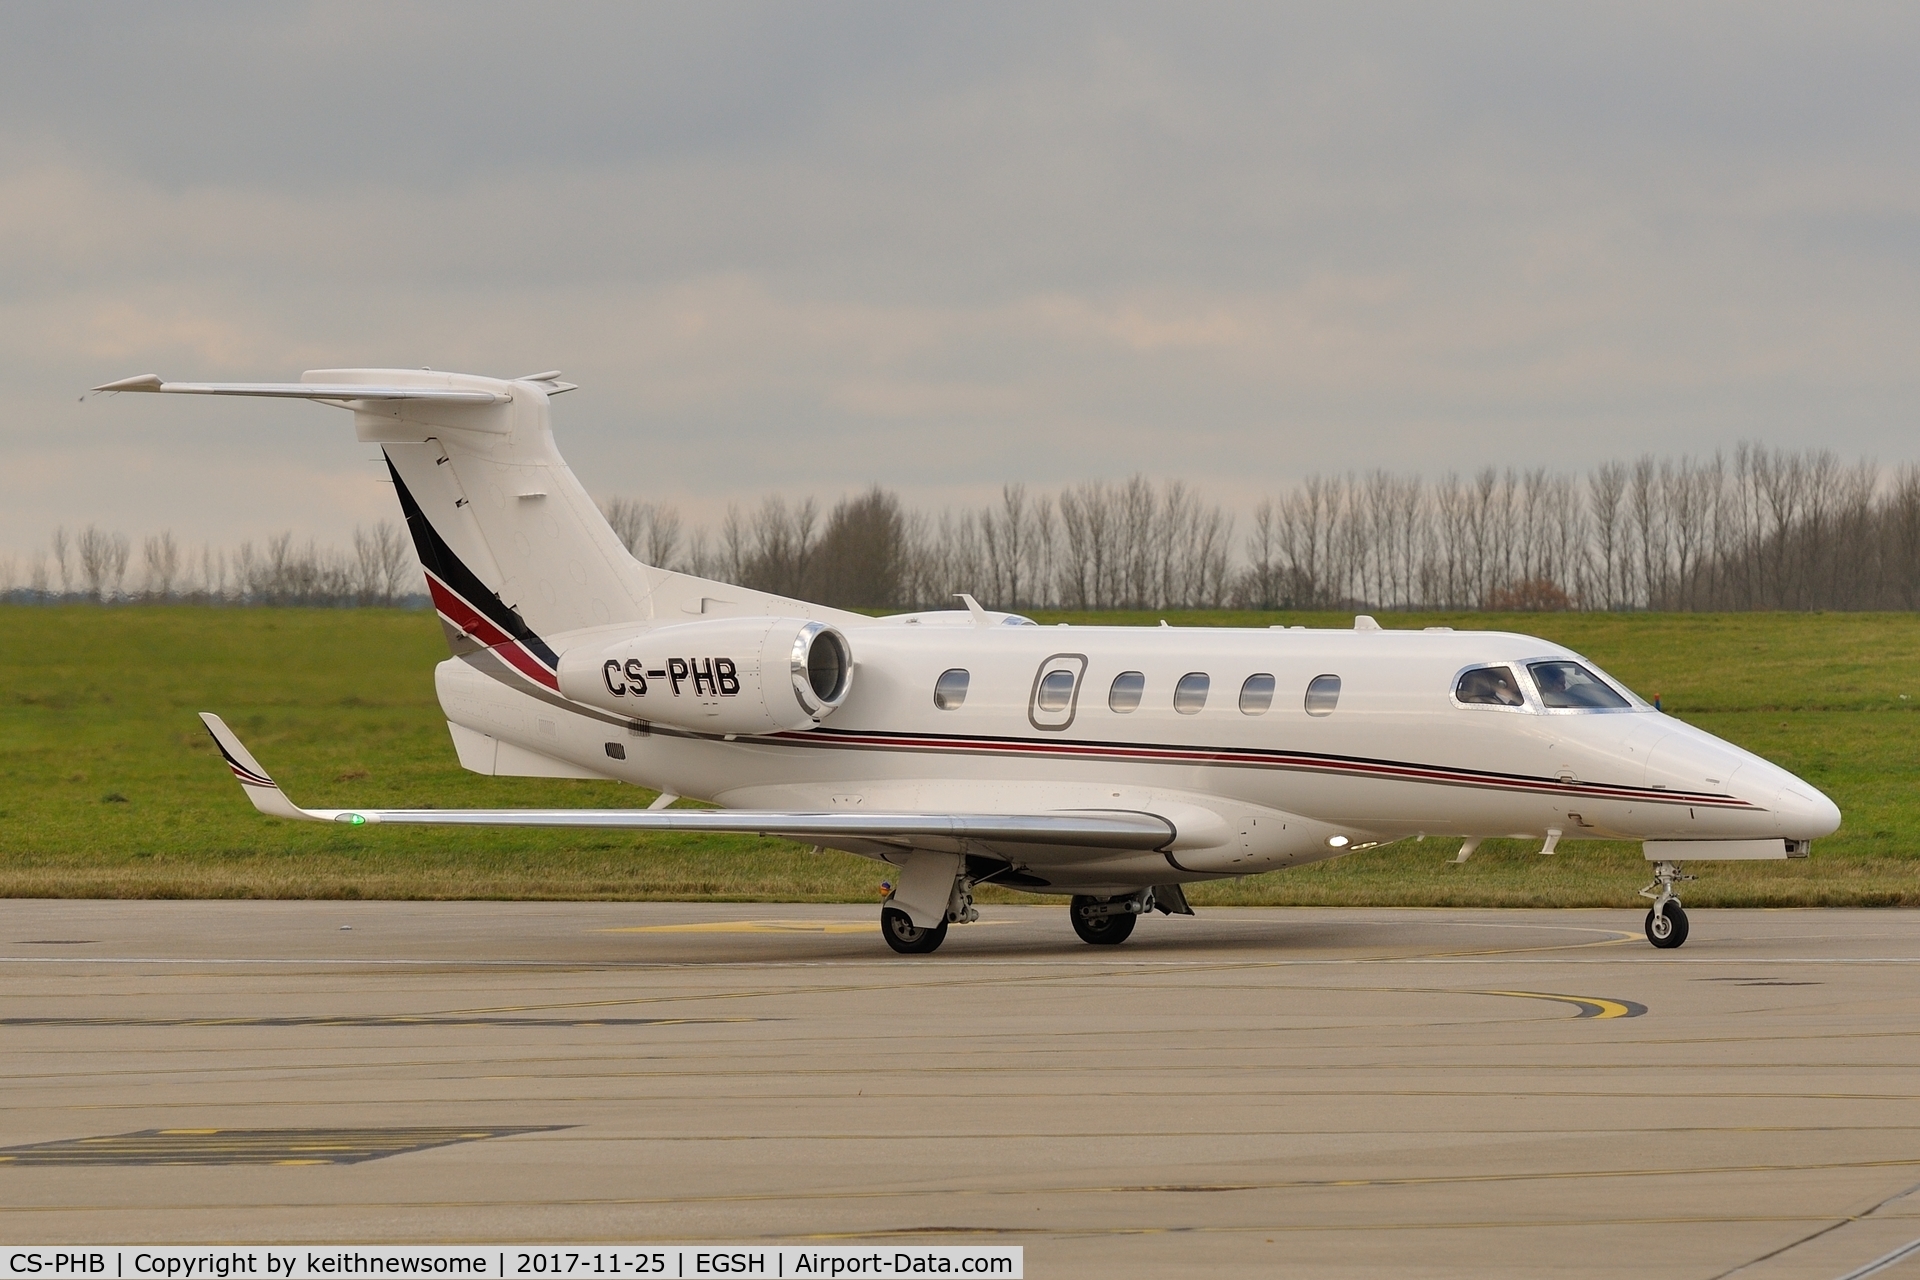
(261, 789)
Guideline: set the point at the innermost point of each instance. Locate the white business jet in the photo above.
(968, 747)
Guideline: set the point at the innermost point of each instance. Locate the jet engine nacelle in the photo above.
(725, 675)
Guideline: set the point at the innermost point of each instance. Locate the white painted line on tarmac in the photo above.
(1882, 1263)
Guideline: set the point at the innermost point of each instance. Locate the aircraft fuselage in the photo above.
(1394, 753)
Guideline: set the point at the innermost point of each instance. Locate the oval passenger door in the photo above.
(1056, 691)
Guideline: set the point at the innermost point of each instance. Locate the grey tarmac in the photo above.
(1320, 1093)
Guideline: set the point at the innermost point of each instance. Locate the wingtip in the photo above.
(238, 758)
(260, 787)
(139, 382)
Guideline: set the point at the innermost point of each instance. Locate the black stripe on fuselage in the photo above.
(1243, 758)
(436, 556)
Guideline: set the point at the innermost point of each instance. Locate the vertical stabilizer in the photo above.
(515, 552)
(513, 547)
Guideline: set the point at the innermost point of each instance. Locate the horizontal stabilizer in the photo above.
(1083, 828)
(306, 390)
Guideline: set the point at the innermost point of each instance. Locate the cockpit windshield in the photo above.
(1568, 685)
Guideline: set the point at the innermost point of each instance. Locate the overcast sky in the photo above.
(803, 248)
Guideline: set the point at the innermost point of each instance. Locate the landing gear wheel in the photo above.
(909, 939)
(1667, 925)
(1100, 930)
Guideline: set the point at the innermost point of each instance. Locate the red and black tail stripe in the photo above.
(468, 603)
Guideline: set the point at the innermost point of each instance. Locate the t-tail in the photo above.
(514, 550)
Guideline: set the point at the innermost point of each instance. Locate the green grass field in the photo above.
(110, 788)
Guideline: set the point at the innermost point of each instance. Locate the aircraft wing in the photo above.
(305, 390)
(1085, 828)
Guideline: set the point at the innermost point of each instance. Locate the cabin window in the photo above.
(1126, 691)
(1256, 695)
(1323, 695)
(950, 690)
(1489, 687)
(1568, 684)
(1056, 691)
(1191, 693)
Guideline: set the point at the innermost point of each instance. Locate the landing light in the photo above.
(1338, 842)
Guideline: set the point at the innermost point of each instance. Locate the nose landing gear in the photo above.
(1667, 925)
(1666, 920)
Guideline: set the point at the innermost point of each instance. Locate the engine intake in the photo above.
(822, 668)
(725, 675)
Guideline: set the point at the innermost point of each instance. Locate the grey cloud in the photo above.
(942, 246)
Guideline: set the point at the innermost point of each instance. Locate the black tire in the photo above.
(898, 928)
(1668, 931)
(1105, 931)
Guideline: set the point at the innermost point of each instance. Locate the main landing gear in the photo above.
(1108, 921)
(1103, 921)
(1666, 920)
(910, 939)
(898, 928)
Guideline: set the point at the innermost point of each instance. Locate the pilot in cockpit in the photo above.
(1489, 686)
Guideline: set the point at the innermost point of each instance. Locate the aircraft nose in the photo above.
(1691, 759)
(1800, 809)
(1805, 813)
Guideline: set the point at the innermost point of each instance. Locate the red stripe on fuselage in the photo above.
(476, 624)
(1257, 759)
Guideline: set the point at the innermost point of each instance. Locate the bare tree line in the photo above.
(1759, 529)
(99, 564)
(1092, 546)
(1756, 529)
